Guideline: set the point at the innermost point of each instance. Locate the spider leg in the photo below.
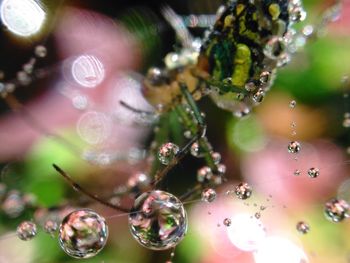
(194, 122)
(135, 110)
(80, 189)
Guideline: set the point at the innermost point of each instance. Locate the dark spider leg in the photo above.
(197, 126)
(226, 87)
(80, 189)
(133, 109)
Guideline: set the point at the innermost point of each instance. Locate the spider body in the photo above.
(232, 55)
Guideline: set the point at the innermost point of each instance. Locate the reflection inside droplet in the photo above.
(22, 17)
(88, 71)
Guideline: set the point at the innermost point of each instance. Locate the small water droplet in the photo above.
(227, 222)
(26, 230)
(259, 96)
(303, 227)
(50, 227)
(294, 147)
(297, 172)
(292, 104)
(346, 121)
(204, 173)
(167, 152)
(216, 157)
(257, 215)
(313, 172)
(40, 51)
(336, 210)
(208, 195)
(243, 191)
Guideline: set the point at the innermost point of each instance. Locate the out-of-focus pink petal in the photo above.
(271, 172)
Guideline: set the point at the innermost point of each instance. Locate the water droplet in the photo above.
(250, 86)
(292, 104)
(308, 30)
(196, 150)
(274, 48)
(243, 191)
(26, 230)
(40, 51)
(158, 220)
(221, 169)
(297, 13)
(188, 134)
(167, 152)
(208, 195)
(83, 233)
(336, 210)
(313, 172)
(13, 205)
(257, 215)
(227, 222)
(294, 147)
(23, 78)
(346, 121)
(50, 227)
(204, 173)
(303, 227)
(265, 77)
(297, 172)
(259, 96)
(216, 157)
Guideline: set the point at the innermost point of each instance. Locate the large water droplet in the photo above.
(158, 220)
(83, 233)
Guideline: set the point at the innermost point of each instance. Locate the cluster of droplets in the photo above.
(24, 76)
(13, 202)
